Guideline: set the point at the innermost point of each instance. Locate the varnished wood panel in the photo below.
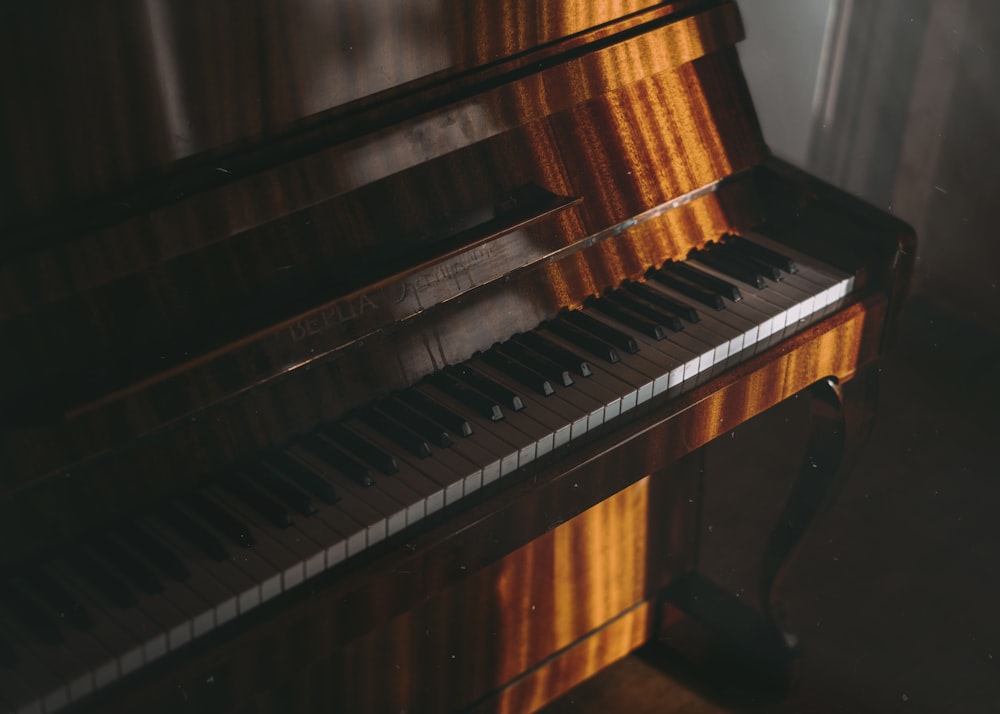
(132, 89)
(355, 603)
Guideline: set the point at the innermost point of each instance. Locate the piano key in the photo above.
(731, 252)
(450, 419)
(393, 488)
(690, 270)
(66, 607)
(730, 266)
(194, 532)
(396, 432)
(238, 484)
(719, 323)
(689, 288)
(624, 315)
(566, 358)
(305, 478)
(584, 340)
(353, 532)
(159, 555)
(536, 362)
(507, 449)
(100, 576)
(540, 408)
(110, 627)
(284, 556)
(506, 396)
(663, 361)
(364, 450)
(644, 291)
(523, 432)
(658, 316)
(281, 488)
(366, 506)
(50, 688)
(344, 464)
(172, 609)
(616, 386)
(126, 564)
(523, 375)
(600, 329)
(219, 518)
(409, 468)
(415, 420)
(766, 254)
(19, 605)
(466, 396)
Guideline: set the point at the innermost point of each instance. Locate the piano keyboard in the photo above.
(109, 606)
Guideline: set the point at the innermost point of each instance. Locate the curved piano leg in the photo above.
(700, 621)
(841, 417)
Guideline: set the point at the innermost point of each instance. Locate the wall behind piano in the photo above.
(894, 101)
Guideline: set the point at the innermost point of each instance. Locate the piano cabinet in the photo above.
(217, 266)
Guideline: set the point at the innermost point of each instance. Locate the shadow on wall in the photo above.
(894, 101)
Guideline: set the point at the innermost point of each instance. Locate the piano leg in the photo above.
(704, 626)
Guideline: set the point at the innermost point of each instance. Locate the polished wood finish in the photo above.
(248, 257)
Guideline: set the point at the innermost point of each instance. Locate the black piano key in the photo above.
(732, 267)
(282, 489)
(772, 272)
(416, 421)
(689, 289)
(128, 565)
(251, 494)
(64, 604)
(657, 315)
(100, 578)
(426, 406)
(362, 448)
(660, 300)
(487, 386)
(699, 277)
(8, 655)
(220, 519)
(29, 614)
(339, 460)
(395, 432)
(304, 477)
(585, 340)
(567, 359)
(630, 319)
(518, 372)
(536, 361)
(760, 252)
(195, 533)
(479, 403)
(165, 560)
(610, 334)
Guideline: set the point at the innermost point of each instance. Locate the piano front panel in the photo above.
(379, 605)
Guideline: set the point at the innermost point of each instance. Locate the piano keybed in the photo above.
(106, 607)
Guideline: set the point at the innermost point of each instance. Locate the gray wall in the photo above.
(897, 101)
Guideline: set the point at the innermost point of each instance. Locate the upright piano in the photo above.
(352, 351)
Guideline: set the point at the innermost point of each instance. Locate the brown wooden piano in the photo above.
(354, 354)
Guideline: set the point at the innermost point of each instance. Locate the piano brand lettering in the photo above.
(330, 316)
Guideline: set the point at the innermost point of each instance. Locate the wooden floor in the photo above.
(896, 596)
